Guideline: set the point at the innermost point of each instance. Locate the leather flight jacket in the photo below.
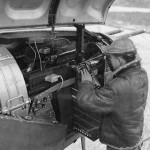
(122, 102)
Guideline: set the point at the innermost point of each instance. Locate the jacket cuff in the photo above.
(86, 84)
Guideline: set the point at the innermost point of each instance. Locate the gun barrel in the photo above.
(132, 33)
(115, 31)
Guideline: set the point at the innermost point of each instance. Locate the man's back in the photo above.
(123, 127)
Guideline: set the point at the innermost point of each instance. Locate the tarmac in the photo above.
(129, 9)
(145, 12)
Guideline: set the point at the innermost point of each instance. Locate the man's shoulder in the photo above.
(117, 82)
(131, 74)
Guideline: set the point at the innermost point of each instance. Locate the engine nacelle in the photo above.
(13, 96)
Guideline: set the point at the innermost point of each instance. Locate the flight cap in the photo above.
(121, 46)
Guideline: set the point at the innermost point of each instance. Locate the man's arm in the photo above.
(96, 100)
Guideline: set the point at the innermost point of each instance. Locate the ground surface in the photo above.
(135, 19)
(133, 3)
(130, 21)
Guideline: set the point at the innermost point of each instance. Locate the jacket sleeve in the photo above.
(96, 100)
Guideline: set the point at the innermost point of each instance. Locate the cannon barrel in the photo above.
(115, 31)
(131, 33)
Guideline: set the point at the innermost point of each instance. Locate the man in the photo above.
(121, 100)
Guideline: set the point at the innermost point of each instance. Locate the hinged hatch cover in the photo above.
(27, 13)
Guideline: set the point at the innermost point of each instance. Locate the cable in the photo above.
(63, 39)
(45, 64)
(62, 82)
(26, 69)
(38, 55)
(54, 78)
(33, 51)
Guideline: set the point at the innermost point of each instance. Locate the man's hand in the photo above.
(85, 75)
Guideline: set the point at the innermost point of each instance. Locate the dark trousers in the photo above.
(137, 148)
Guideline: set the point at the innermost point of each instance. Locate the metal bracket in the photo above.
(8, 109)
(80, 41)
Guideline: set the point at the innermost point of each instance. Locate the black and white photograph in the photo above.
(74, 75)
